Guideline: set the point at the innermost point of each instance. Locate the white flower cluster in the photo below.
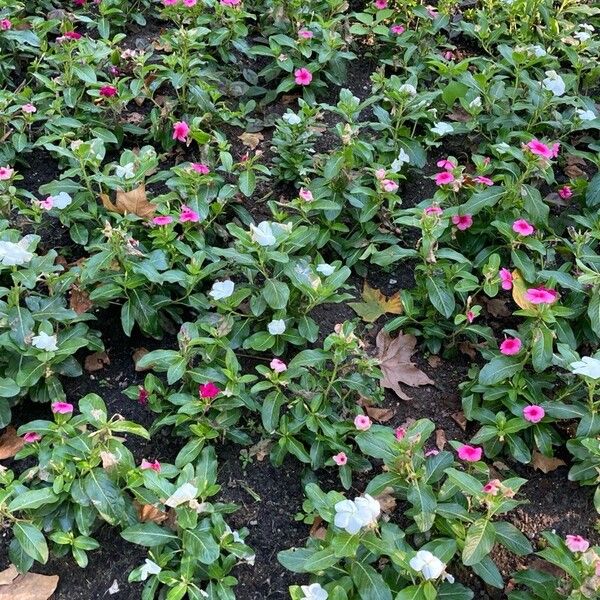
(353, 515)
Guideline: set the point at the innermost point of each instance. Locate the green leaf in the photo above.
(321, 560)
(32, 541)
(465, 482)
(148, 534)
(499, 369)
(33, 499)
(441, 296)
(479, 541)
(276, 294)
(247, 183)
(369, 582)
(105, 496)
(201, 544)
(592, 193)
(488, 571)
(512, 539)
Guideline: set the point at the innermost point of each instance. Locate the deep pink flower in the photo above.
(208, 390)
(230, 2)
(541, 295)
(169, 2)
(201, 168)
(576, 543)
(188, 215)
(444, 178)
(565, 192)
(162, 220)
(445, 164)
(362, 422)
(388, 185)
(470, 316)
(340, 459)
(32, 437)
(397, 29)
(483, 180)
(511, 346)
(469, 453)
(305, 34)
(189, 3)
(5, 24)
(143, 396)
(71, 35)
(433, 210)
(154, 465)
(399, 432)
(492, 487)
(506, 278)
(462, 222)
(6, 173)
(61, 408)
(303, 76)
(278, 365)
(534, 413)
(522, 227)
(380, 4)
(108, 91)
(181, 130)
(306, 195)
(540, 149)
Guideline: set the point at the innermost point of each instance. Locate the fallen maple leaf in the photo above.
(132, 202)
(96, 361)
(8, 575)
(252, 140)
(519, 290)
(80, 300)
(546, 464)
(396, 367)
(374, 304)
(29, 586)
(10, 443)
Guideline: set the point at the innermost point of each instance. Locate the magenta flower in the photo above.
(492, 487)
(541, 295)
(305, 34)
(162, 220)
(61, 408)
(32, 437)
(154, 465)
(189, 3)
(511, 346)
(278, 365)
(108, 91)
(470, 316)
(72, 35)
(540, 149)
(5, 24)
(306, 195)
(169, 2)
(181, 130)
(362, 422)
(462, 222)
(400, 432)
(445, 164)
(576, 543)
(565, 192)
(303, 76)
(522, 227)
(444, 178)
(469, 453)
(506, 278)
(397, 29)
(449, 55)
(555, 149)
(388, 185)
(230, 2)
(534, 413)
(188, 215)
(143, 396)
(208, 390)
(483, 180)
(201, 168)
(380, 4)
(433, 211)
(340, 459)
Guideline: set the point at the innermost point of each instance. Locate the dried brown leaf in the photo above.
(29, 586)
(459, 114)
(396, 367)
(386, 500)
(374, 304)
(440, 439)
(10, 443)
(383, 415)
(498, 307)
(460, 420)
(138, 354)
(147, 513)
(132, 202)
(467, 348)
(80, 300)
(8, 575)
(96, 361)
(318, 531)
(252, 140)
(546, 464)
(260, 450)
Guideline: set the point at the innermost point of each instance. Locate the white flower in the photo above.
(538, 51)
(263, 234)
(588, 366)
(276, 327)
(403, 159)
(314, 591)
(292, 118)
(582, 36)
(325, 269)
(353, 515)
(442, 128)
(475, 103)
(222, 289)
(149, 568)
(407, 88)
(43, 341)
(368, 508)
(554, 83)
(587, 27)
(15, 254)
(585, 115)
(125, 172)
(182, 495)
(61, 200)
(430, 566)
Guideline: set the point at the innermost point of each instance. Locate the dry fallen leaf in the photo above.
(434, 361)
(459, 114)
(498, 307)
(8, 575)
(10, 443)
(29, 586)
(519, 290)
(468, 348)
(96, 361)
(318, 531)
(383, 415)
(132, 202)
(396, 367)
(147, 512)
(387, 502)
(545, 464)
(138, 354)
(260, 450)
(459, 419)
(440, 439)
(252, 140)
(80, 300)
(374, 304)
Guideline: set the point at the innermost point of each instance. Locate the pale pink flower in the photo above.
(483, 180)
(444, 178)
(522, 227)
(278, 365)
(340, 459)
(5, 24)
(534, 413)
(432, 452)
(470, 316)
(449, 55)
(170, 2)
(380, 174)
(188, 215)
(432, 12)
(201, 168)
(189, 3)
(433, 211)
(576, 543)
(397, 29)
(506, 278)
(541, 295)
(555, 149)
(181, 130)
(362, 422)
(32, 437)
(469, 453)
(445, 163)
(399, 432)
(61, 408)
(306, 195)
(305, 34)
(462, 222)
(28, 108)
(47, 204)
(492, 487)
(154, 465)
(6, 173)
(539, 149)
(208, 390)
(388, 185)
(511, 346)
(162, 220)
(303, 76)
(565, 192)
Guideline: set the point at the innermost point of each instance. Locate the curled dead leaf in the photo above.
(252, 140)
(260, 450)
(132, 202)
(387, 502)
(96, 361)
(29, 586)
(138, 354)
(148, 513)
(80, 300)
(546, 464)
(440, 439)
(382, 415)
(519, 290)
(318, 531)
(10, 443)
(459, 419)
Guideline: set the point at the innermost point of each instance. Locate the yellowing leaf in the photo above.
(374, 304)
(519, 289)
(132, 202)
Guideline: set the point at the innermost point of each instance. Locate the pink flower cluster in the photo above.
(540, 149)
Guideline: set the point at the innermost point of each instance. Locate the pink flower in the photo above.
(230, 2)
(188, 215)
(445, 164)
(6, 173)
(61, 408)
(154, 465)
(397, 29)
(5, 24)
(576, 543)
(143, 396)
(511, 346)
(303, 76)
(565, 192)
(506, 278)
(162, 220)
(540, 149)
(28, 108)
(492, 487)
(444, 178)
(201, 168)
(399, 432)
(380, 174)
(108, 91)
(541, 295)
(47, 204)
(380, 4)
(169, 2)
(388, 185)
(71, 35)
(449, 55)
(362, 422)
(432, 452)
(522, 227)
(433, 211)
(305, 34)
(470, 316)
(340, 459)
(555, 149)
(189, 3)
(462, 222)
(208, 390)
(483, 180)
(306, 195)
(32, 437)
(181, 130)
(534, 413)
(278, 365)
(469, 453)
(432, 12)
